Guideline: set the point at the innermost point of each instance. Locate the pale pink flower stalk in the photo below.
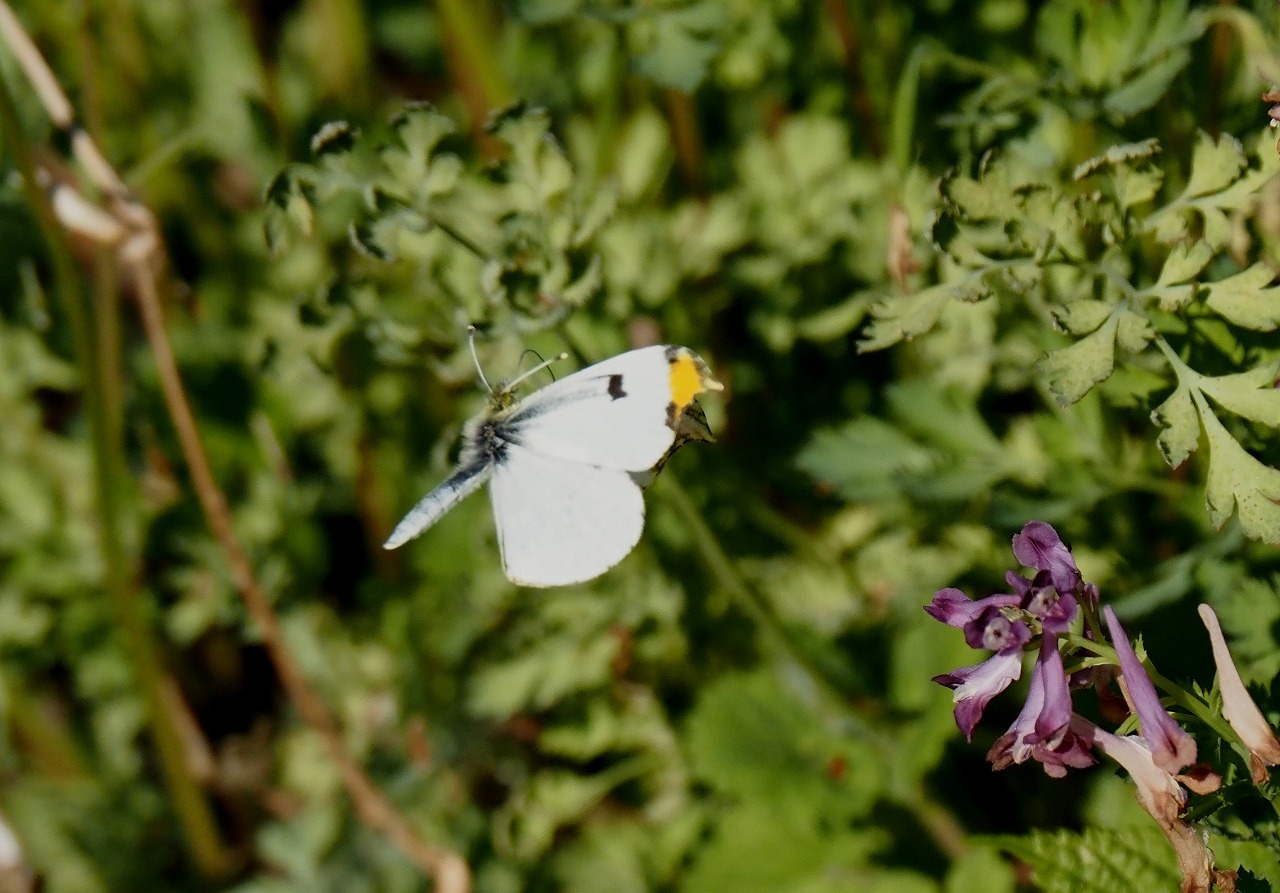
(1238, 708)
(1160, 795)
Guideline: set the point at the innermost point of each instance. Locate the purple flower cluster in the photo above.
(1042, 607)
(1038, 613)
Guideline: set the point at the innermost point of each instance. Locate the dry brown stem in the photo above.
(141, 252)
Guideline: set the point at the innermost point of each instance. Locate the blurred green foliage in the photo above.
(960, 265)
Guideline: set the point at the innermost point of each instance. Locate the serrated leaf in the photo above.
(334, 138)
(681, 44)
(1135, 188)
(1215, 165)
(1239, 482)
(1245, 300)
(287, 207)
(1134, 332)
(863, 458)
(1252, 395)
(1117, 156)
(370, 239)
(902, 317)
(1098, 861)
(1180, 422)
(421, 128)
(753, 851)
(539, 678)
(1072, 371)
(1142, 92)
(1083, 317)
(1184, 263)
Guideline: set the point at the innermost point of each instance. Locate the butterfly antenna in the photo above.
(536, 369)
(471, 340)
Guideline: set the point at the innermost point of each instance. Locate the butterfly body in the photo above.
(562, 464)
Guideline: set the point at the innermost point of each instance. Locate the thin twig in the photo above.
(193, 810)
(942, 826)
(683, 119)
(449, 870)
(847, 31)
(142, 258)
(475, 67)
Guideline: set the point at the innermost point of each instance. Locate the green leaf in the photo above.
(980, 870)
(1117, 157)
(1098, 861)
(287, 208)
(1145, 90)
(900, 318)
(942, 417)
(751, 737)
(1239, 481)
(1215, 165)
(643, 154)
(1250, 614)
(1245, 299)
(1073, 371)
(1134, 332)
(679, 43)
(1252, 395)
(1181, 423)
(753, 851)
(537, 679)
(863, 458)
(1083, 317)
(1184, 263)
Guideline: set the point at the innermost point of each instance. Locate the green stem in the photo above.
(109, 476)
(946, 831)
(480, 78)
(754, 605)
(1197, 707)
(1176, 693)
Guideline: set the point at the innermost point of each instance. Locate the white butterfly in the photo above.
(563, 464)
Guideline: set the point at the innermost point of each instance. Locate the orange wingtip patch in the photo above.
(689, 378)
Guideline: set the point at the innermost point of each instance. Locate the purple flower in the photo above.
(1171, 747)
(1054, 609)
(1042, 731)
(1040, 547)
(975, 686)
(954, 608)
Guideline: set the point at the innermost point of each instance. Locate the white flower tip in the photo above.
(1238, 707)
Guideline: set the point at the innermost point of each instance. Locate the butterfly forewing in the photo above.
(464, 481)
(613, 414)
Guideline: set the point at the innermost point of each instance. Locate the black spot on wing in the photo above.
(615, 387)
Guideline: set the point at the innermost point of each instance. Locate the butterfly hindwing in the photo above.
(561, 521)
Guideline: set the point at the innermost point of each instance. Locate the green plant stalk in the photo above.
(194, 813)
(1176, 693)
(480, 77)
(946, 831)
(43, 740)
